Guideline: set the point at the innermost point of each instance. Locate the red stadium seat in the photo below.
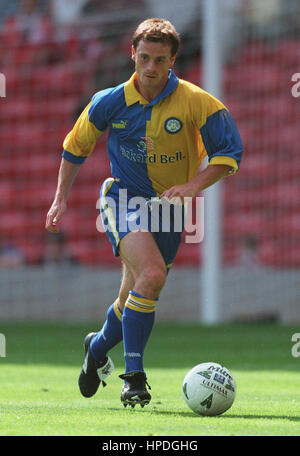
(257, 52)
(84, 195)
(27, 110)
(78, 225)
(33, 250)
(30, 167)
(36, 195)
(285, 196)
(281, 256)
(60, 79)
(275, 108)
(188, 255)
(288, 54)
(194, 72)
(253, 79)
(8, 194)
(239, 225)
(256, 166)
(288, 226)
(31, 138)
(12, 224)
(94, 253)
(230, 253)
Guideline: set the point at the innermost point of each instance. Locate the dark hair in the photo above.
(157, 30)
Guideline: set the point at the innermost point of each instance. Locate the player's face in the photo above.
(152, 63)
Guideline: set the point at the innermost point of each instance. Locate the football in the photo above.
(209, 389)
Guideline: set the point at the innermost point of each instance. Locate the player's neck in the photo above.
(148, 93)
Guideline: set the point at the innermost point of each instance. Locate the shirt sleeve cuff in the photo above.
(73, 158)
(222, 160)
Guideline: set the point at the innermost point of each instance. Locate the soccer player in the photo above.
(160, 129)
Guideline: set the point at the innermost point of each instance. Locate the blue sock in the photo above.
(110, 334)
(137, 324)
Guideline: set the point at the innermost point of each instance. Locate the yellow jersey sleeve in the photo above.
(81, 140)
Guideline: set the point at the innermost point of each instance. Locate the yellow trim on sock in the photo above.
(117, 310)
(145, 301)
(140, 304)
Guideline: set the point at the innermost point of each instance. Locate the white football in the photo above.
(209, 389)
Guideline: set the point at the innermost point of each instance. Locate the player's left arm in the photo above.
(223, 147)
(203, 179)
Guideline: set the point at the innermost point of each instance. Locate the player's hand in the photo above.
(56, 211)
(177, 193)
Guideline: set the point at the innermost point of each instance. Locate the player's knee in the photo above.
(155, 277)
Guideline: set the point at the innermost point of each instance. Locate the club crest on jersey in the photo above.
(173, 125)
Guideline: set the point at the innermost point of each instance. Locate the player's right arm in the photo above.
(66, 176)
(78, 145)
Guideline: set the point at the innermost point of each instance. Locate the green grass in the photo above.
(39, 394)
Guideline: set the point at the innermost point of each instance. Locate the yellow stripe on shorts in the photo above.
(107, 210)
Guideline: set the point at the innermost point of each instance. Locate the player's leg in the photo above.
(144, 260)
(127, 284)
(111, 332)
(96, 345)
(141, 255)
(97, 365)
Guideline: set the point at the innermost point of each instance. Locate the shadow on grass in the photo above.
(155, 411)
(265, 417)
(187, 414)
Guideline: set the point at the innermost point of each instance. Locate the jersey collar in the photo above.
(133, 96)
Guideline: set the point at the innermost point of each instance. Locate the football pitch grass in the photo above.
(40, 397)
